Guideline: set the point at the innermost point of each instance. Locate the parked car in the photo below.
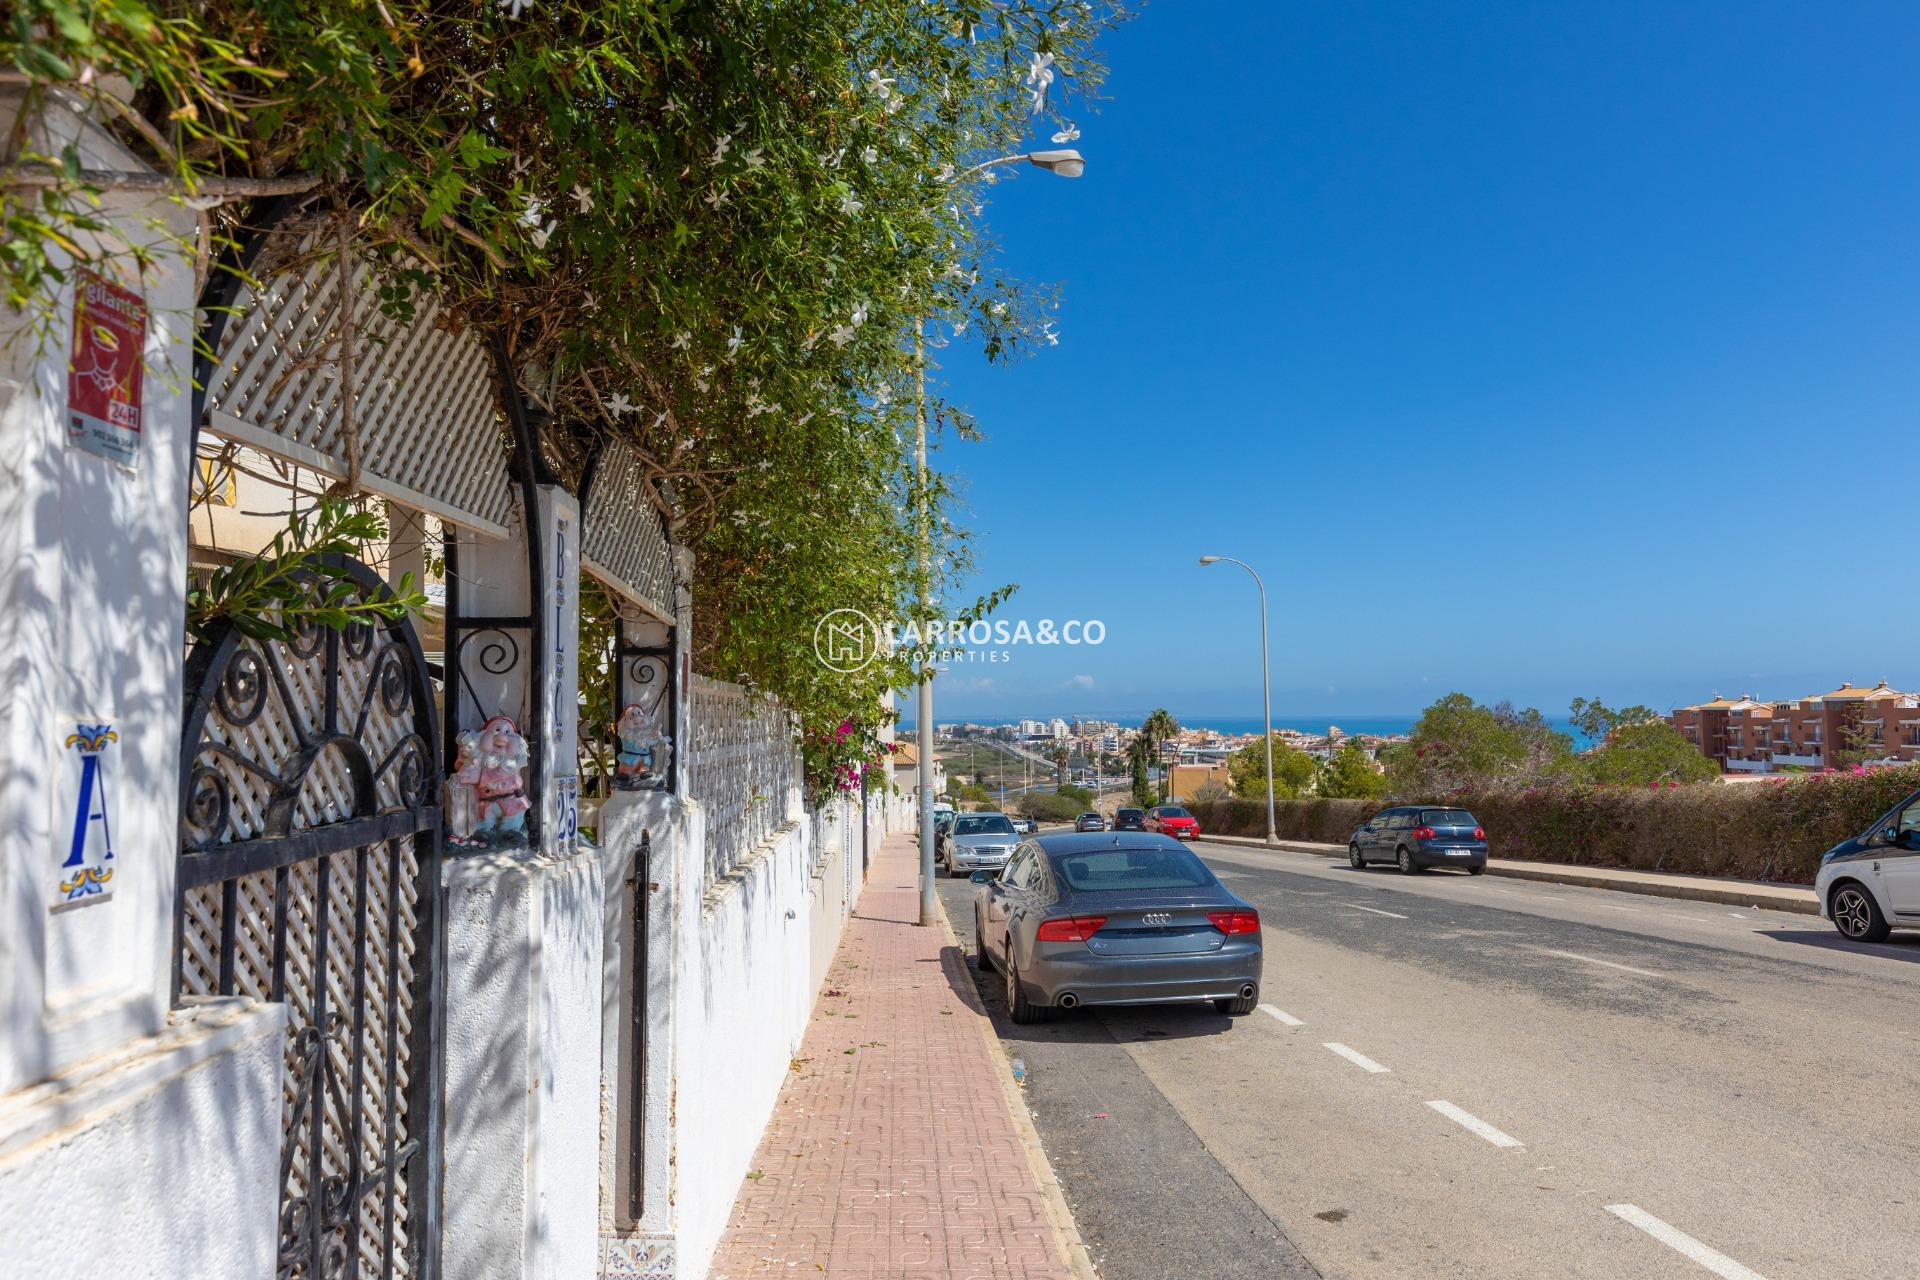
(1415, 837)
(1137, 919)
(1172, 820)
(1130, 820)
(979, 840)
(1089, 822)
(1870, 885)
(1027, 826)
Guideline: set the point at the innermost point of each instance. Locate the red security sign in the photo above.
(104, 370)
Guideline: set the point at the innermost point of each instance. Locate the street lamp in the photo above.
(1066, 164)
(1266, 684)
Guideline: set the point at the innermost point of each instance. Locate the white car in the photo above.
(1870, 885)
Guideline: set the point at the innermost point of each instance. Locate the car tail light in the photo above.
(1232, 922)
(1072, 929)
(1423, 833)
(1479, 834)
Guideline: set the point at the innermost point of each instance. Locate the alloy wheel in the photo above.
(1852, 912)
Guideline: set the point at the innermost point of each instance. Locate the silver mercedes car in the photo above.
(979, 841)
(1114, 918)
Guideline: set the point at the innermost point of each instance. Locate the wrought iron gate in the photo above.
(309, 875)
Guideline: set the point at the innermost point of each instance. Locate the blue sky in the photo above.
(1530, 350)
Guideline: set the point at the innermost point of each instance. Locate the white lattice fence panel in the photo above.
(624, 539)
(424, 406)
(742, 769)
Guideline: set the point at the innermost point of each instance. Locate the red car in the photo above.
(1172, 820)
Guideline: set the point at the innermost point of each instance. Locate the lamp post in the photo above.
(1266, 684)
(1065, 164)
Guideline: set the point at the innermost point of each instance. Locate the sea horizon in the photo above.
(1376, 725)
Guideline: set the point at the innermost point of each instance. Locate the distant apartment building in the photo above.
(1057, 729)
(1185, 780)
(1745, 735)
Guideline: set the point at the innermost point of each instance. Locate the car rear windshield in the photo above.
(1131, 813)
(1174, 811)
(987, 826)
(1447, 818)
(1132, 869)
(1089, 815)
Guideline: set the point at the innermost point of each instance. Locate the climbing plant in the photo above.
(711, 228)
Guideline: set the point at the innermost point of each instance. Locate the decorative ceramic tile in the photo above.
(636, 1258)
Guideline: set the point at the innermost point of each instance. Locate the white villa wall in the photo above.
(522, 1065)
(135, 1140)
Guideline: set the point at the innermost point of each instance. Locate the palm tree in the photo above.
(1158, 728)
(1059, 757)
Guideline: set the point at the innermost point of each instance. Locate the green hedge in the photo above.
(1771, 830)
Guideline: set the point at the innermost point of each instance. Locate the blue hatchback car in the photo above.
(1415, 837)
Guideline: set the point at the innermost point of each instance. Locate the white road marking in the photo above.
(1624, 968)
(1357, 1058)
(1231, 875)
(1611, 907)
(1736, 915)
(1679, 1241)
(1467, 1120)
(1284, 1017)
(1675, 915)
(1377, 911)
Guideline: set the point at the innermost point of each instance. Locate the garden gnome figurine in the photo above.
(644, 751)
(501, 791)
(463, 791)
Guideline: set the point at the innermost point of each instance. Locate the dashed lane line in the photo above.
(1357, 1058)
(1474, 1124)
(1680, 1242)
(1282, 1016)
(1624, 968)
(1354, 906)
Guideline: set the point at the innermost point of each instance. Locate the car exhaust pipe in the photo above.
(1068, 1000)
(1246, 992)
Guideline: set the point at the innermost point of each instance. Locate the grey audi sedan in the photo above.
(1114, 918)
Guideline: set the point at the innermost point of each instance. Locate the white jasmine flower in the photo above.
(849, 203)
(681, 340)
(945, 174)
(720, 146)
(1069, 134)
(530, 216)
(882, 86)
(716, 197)
(869, 155)
(515, 8)
(859, 316)
(618, 406)
(583, 197)
(544, 234)
(842, 334)
(755, 158)
(733, 343)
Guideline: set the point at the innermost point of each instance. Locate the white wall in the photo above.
(157, 1162)
(522, 1064)
(135, 1140)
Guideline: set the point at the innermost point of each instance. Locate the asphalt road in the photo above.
(1457, 1076)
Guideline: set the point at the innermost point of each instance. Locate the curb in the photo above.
(1066, 1232)
(1792, 898)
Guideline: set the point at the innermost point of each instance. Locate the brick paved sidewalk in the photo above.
(893, 1151)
